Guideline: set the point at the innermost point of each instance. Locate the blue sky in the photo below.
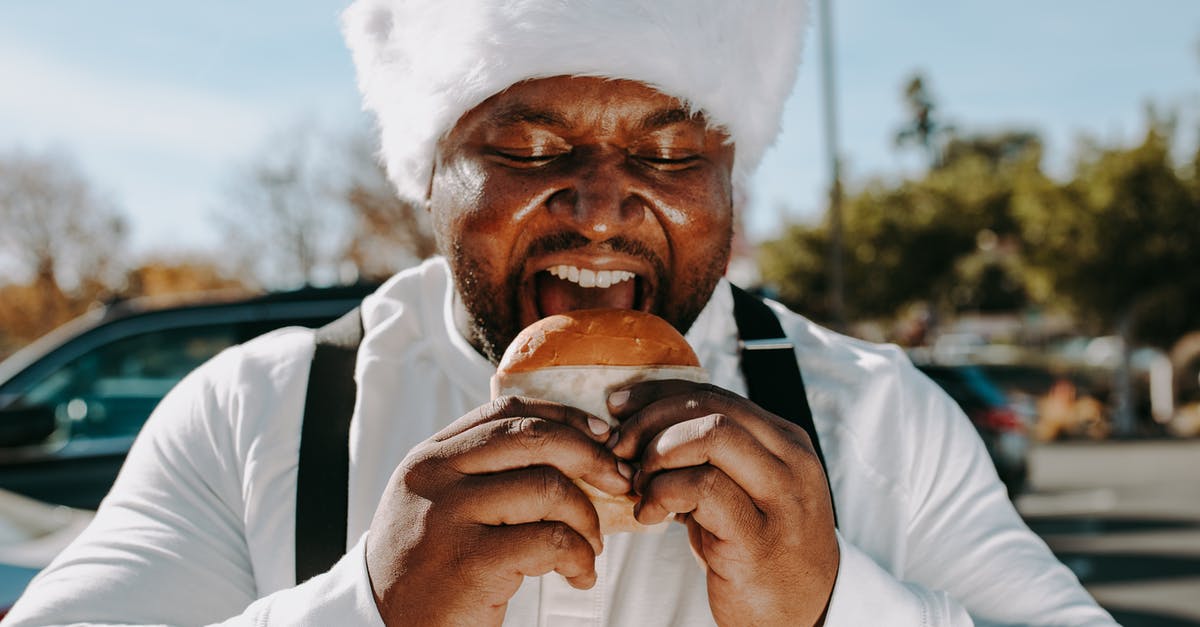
(161, 102)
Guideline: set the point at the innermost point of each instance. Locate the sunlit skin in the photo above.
(601, 176)
(580, 171)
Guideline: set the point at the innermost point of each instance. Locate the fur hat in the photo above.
(422, 64)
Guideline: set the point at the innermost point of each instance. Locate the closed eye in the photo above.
(524, 160)
(670, 164)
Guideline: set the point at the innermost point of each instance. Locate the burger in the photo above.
(578, 358)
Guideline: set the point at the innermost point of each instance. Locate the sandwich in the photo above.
(578, 358)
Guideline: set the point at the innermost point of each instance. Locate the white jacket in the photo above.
(200, 525)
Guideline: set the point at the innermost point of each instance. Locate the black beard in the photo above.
(492, 317)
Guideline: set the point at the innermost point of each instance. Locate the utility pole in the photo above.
(837, 301)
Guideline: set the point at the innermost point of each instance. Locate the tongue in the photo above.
(555, 296)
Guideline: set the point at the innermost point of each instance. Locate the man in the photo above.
(572, 155)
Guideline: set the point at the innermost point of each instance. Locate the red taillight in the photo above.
(1000, 419)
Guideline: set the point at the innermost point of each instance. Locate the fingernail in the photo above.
(625, 469)
(618, 398)
(596, 425)
(612, 440)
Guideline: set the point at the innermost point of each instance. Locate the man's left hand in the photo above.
(750, 489)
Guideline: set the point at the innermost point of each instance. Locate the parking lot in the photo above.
(1125, 516)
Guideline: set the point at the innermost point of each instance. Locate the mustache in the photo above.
(568, 241)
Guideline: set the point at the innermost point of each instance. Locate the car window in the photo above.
(111, 390)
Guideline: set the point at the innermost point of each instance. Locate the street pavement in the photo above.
(1125, 517)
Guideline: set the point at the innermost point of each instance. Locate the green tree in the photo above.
(924, 128)
(1120, 241)
(937, 239)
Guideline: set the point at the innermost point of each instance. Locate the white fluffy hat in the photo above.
(422, 64)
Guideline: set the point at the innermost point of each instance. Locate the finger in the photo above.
(711, 499)
(534, 549)
(529, 495)
(512, 443)
(628, 400)
(519, 406)
(725, 443)
(683, 400)
(696, 539)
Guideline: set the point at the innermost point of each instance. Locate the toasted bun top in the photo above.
(598, 337)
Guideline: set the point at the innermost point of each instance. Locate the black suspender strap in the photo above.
(769, 365)
(323, 475)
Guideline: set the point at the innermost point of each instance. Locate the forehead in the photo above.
(574, 102)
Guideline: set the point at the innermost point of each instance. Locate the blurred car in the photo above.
(72, 402)
(1004, 432)
(1056, 404)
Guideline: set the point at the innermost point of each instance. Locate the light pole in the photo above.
(837, 303)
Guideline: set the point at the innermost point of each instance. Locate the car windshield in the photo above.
(30, 354)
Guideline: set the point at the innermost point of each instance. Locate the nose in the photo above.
(600, 200)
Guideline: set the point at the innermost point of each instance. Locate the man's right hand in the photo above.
(483, 504)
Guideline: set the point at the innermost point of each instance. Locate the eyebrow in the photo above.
(524, 114)
(667, 117)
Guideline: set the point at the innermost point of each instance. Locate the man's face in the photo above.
(573, 193)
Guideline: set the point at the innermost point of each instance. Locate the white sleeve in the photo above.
(865, 594)
(341, 596)
(976, 560)
(168, 547)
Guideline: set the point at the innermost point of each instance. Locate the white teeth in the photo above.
(586, 277)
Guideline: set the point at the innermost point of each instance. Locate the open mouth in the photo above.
(562, 288)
